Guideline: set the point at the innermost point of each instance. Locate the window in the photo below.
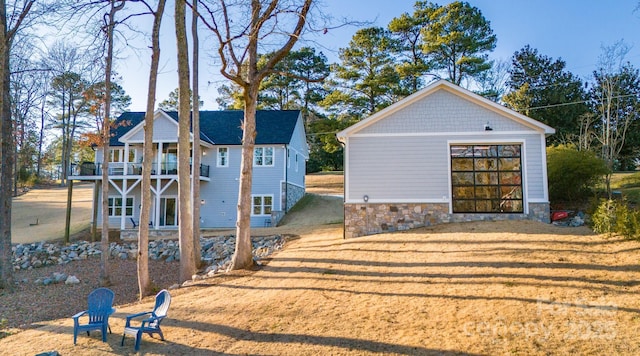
(117, 155)
(261, 205)
(263, 156)
(486, 178)
(115, 206)
(223, 157)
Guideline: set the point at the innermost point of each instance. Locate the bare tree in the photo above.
(267, 21)
(616, 94)
(8, 29)
(195, 128)
(143, 229)
(108, 29)
(185, 217)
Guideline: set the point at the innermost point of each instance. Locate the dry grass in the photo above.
(47, 207)
(325, 183)
(521, 288)
(478, 288)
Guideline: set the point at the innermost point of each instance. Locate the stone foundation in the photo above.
(132, 234)
(294, 194)
(368, 219)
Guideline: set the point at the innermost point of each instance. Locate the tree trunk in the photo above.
(105, 278)
(144, 284)
(197, 254)
(6, 158)
(67, 224)
(41, 139)
(185, 217)
(243, 258)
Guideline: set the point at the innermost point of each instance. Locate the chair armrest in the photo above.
(79, 314)
(133, 316)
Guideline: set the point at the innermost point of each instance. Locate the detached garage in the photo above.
(443, 154)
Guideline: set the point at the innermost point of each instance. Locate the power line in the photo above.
(577, 102)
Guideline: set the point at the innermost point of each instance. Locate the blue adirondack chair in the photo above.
(150, 325)
(100, 308)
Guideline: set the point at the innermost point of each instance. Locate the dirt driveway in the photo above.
(521, 288)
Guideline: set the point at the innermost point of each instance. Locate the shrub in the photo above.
(615, 216)
(572, 174)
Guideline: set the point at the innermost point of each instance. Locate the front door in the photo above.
(168, 211)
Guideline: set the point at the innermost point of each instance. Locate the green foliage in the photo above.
(171, 103)
(296, 82)
(326, 153)
(616, 217)
(412, 62)
(366, 80)
(457, 39)
(538, 81)
(572, 174)
(230, 97)
(614, 97)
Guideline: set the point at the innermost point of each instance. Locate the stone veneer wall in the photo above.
(366, 219)
(294, 194)
(132, 234)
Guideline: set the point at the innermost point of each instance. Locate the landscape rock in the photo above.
(216, 253)
(72, 280)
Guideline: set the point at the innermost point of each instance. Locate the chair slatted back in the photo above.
(163, 301)
(100, 304)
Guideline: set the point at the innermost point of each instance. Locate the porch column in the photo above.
(125, 159)
(123, 212)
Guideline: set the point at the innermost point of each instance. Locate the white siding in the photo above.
(164, 129)
(298, 149)
(442, 111)
(397, 168)
(416, 168)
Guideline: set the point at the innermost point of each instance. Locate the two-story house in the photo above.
(278, 168)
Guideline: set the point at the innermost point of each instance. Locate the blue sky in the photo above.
(574, 30)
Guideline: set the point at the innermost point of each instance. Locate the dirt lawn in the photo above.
(521, 288)
(40, 214)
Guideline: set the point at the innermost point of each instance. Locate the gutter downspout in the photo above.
(286, 178)
(342, 142)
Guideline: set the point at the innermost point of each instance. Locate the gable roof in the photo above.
(456, 90)
(223, 127)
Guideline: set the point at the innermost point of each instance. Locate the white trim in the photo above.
(140, 126)
(523, 168)
(396, 201)
(262, 205)
(273, 156)
(450, 133)
(538, 201)
(543, 144)
(123, 207)
(295, 185)
(456, 90)
(218, 156)
(177, 210)
(345, 169)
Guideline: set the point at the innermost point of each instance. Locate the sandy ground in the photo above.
(325, 183)
(520, 288)
(47, 207)
(484, 288)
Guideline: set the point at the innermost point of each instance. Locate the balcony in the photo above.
(121, 169)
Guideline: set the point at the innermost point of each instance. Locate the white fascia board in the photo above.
(456, 90)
